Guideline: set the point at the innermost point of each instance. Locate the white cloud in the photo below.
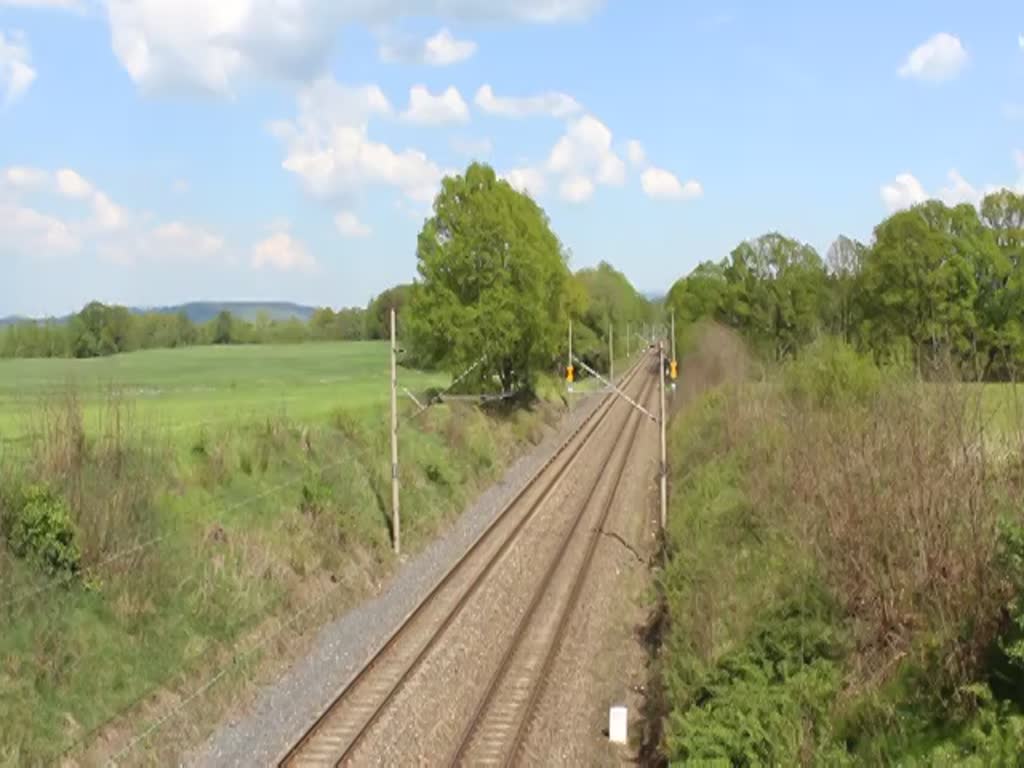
(660, 184)
(959, 191)
(349, 225)
(427, 109)
(527, 180)
(188, 240)
(438, 51)
(66, 4)
(552, 103)
(210, 45)
(576, 189)
(29, 232)
(16, 72)
(72, 185)
(941, 57)
(636, 154)
(108, 215)
(475, 148)
(108, 230)
(24, 177)
(328, 146)
(586, 151)
(903, 192)
(282, 252)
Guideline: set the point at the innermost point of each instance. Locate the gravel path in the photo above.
(285, 708)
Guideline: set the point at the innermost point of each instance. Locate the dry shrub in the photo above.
(899, 500)
(108, 475)
(715, 355)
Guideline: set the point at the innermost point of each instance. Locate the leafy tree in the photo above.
(918, 289)
(609, 299)
(843, 265)
(699, 295)
(222, 328)
(492, 282)
(378, 313)
(775, 293)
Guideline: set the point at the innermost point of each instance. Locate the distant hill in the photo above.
(203, 311)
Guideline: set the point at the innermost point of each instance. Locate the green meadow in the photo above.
(177, 389)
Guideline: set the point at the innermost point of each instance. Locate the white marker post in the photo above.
(618, 725)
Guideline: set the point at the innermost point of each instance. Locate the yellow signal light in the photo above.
(674, 370)
(569, 374)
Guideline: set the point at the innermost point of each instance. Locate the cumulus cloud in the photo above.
(427, 109)
(527, 180)
(16, 72)
(107, 229)
(585, 152)
(210, 45)
(187, 239)
(959, 190)
(328, 145)
(282, 252)
(349, 225)
(552, 104)
(903, 192)
(906, 191)
(636, 154)
(66, 4)
(660, 184)
(108, 215)
(440, 50)
(23, 177)
(576, 189)
(941, 57)
(72, 185)
(27, 231)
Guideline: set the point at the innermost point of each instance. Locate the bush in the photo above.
(39, 528)
(832, 373)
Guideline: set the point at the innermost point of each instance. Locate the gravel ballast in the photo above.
(282, 710)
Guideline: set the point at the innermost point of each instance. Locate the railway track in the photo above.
(340, 730)
(503, 716)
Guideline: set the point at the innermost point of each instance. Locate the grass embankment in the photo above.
(135, 560)
(844, 581)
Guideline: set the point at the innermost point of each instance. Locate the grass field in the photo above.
(227, 490)
(179, 388)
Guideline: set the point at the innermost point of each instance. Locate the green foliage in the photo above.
(38, 528)
(601, 297)
(832, 373)
(492, 283)
(938, 287)
(1011, 565)
(768, 701)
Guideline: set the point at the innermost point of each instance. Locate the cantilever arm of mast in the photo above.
(616, 390)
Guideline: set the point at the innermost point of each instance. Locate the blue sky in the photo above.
(157, 151)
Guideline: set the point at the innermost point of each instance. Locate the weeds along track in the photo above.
(343, 726)
(494, 735)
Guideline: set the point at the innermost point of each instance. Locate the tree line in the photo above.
(937, 285)
(100, 329)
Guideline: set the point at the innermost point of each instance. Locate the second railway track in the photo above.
(342, 728)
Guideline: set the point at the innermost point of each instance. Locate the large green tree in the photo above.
(775, 293)
(918, 289)
(492, 282)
